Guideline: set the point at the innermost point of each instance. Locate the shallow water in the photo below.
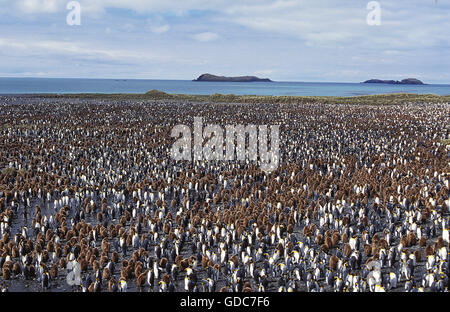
(69, 85)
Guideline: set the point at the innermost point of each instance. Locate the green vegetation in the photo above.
(156, 94)
(445, 141)
(380, 99)
(18, 126)
(12, 172)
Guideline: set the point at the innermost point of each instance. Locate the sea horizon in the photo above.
(53, 85)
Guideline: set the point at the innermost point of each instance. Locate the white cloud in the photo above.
(205, 36)
(80, 50)
(160, 29)
(39, 6)
(299, 39)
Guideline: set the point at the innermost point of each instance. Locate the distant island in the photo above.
(209, 77)
(412, 81)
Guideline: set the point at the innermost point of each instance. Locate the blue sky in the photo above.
(285, 40)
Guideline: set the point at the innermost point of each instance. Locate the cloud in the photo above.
(297, 39)
(205, 36)
(80, 50)
(160, 29)
(39, 6)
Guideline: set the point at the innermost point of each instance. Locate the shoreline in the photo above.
(378, 99)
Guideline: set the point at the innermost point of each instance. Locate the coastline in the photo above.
(379, 99)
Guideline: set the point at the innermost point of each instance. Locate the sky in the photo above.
(284, 40)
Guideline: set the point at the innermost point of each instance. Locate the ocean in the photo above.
(73, 85)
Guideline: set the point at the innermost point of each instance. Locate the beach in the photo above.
(362, 182)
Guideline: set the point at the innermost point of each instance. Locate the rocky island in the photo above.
(412, 81)
(209, 77)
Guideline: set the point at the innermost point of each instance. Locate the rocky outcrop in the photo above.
(413, 81)
(209, 77)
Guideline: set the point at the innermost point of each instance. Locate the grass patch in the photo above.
(156, 94)
(17, 126)
(445, 142)
(12, 172)
(25, 126)
(9, 172)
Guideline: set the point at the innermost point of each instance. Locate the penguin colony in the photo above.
(359, 202)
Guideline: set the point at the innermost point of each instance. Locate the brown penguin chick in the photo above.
(99, 217)
(290, 230)
(32, 271)
(418, 255)
(15, 252)
(67, 249)
(404, 241)
(184, 264)
(205, 261)
(166, 279)
(83, 265)
(140, 280)
(347, 250)
(375, 249)
(333, 262)
(125, 273)
(54, 271)
(62, 263)
(95, 252)
(115, 257)
(129, 240)
(411, 239)
(95, 265)
(131, 265)
(16, 268)
(138, 270)
(163, 262)
(235, 260)
(105, 245)
(91, 288)
(106, 274)
(58, 252)
(335, 239)
(319, 239)
(92, 259)
(111, 284)
(45, 256)
(113, 233)
(439, 244)
(422, 241)
(345, 238)
(429, 251)
(48, 235)
(6, 272)
(328, 242)
(135, 256)
(8, 264)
